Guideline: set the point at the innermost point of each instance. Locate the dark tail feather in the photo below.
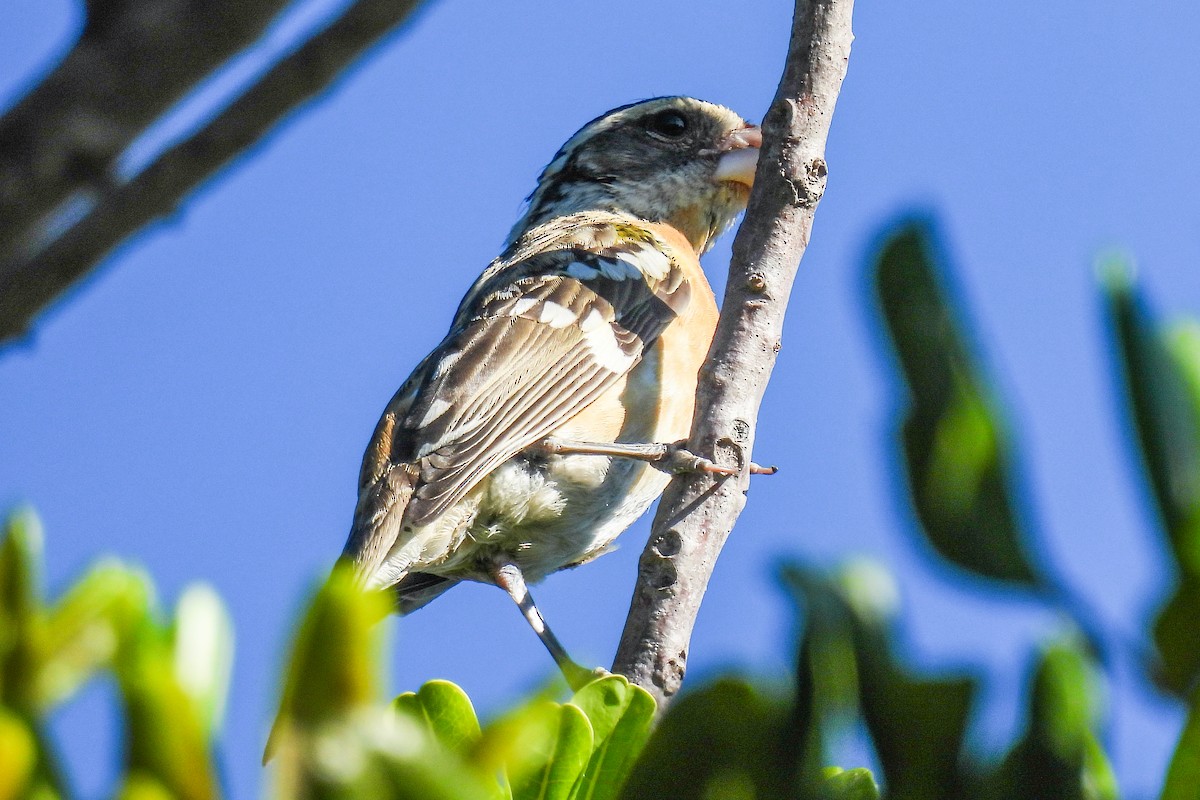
(377, 521)
(417, 589)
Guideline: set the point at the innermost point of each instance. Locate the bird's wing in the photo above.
(535, 342)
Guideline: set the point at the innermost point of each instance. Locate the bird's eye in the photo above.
(667, 124)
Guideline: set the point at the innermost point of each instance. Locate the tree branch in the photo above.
(698, 511)
(30, 284)
(133, 60)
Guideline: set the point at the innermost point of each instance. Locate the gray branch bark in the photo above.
(698, 511)
(132, 62)
(31, 280)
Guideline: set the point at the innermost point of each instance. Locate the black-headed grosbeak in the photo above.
(588, 331)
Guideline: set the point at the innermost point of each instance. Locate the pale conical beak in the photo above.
(739, 155)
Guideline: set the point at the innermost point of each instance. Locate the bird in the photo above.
(542, 425)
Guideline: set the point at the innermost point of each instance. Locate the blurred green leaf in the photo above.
(333, 667)
(1176, 632)
(140, 786)
(19, 748)
(1059, 757)
(712, 740)
(1159, 373)
(86, 626)
(1162, 379)
(1183, 776)
(621, 715)
(825, 699)
(203, 646)
(918, 724)
(958, 458)
(853, 784)
(372, 753)
(165, 738)
(20, 611)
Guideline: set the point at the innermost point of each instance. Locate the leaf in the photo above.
(20, 611)
(165, 737)
(853, 784)
(826, 691)
(140, 786)
(85, 627)
(373, 753)
(916, 723)
(711, 741)
(203, 648)
(1162, 381)
(19, 747)
(1175, 636)
(333, 667)
(450, 716)
(958, 457)
(621, 715)
(1183, 775)
(551, 772)
(446, 713)
(1059, 757)
(1161, 376)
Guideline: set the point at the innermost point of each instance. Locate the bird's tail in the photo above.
(377, 524)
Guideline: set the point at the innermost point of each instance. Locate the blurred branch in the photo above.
(133, 60)
(697, 512)
(31, 281)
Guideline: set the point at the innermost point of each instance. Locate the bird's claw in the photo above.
(677, 459)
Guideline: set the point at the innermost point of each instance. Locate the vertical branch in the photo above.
(698, 511)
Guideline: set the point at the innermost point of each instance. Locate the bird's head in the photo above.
(676, 160)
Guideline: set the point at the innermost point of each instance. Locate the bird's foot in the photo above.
(673, 458)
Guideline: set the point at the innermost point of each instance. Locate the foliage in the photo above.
(338, 736)
(967, 507)
(172, 674)
(725, 738)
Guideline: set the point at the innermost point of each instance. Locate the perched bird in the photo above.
(520, 445)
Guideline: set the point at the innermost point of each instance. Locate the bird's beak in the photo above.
(739, 155)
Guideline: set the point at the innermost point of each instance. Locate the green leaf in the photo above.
(1162, 380)
(19, 746)
(333, 667)
(87, 624)
(715, 742)
(848, 618)
(140, 786)
(165, 738)
(20, 611)
(1161, 376)
(1059, 757)
(450, 716)
(551, 772)
(1175, 636)
(826, 692)
(373, 753)
(853, 784)
(621, 715)
(203, 647)
(1183, 776)
(917, 723)
(445, 712)
(958, 457)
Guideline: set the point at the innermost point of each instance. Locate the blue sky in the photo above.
(202, 405)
